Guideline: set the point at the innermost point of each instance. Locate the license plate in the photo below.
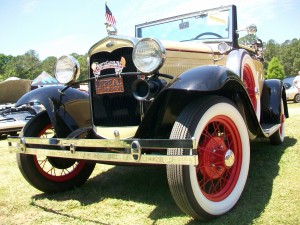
(109, 85)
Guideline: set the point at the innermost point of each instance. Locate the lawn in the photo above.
(140, 195)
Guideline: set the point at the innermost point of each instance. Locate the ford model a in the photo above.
(192, 102)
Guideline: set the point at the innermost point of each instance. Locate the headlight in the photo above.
(148, 55)
(67, 69)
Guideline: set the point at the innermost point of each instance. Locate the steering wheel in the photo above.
(208, 33)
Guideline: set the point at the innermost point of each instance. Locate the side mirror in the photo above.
(251, 29)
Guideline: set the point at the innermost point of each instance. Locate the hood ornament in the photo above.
(111, 29)
(110, 21)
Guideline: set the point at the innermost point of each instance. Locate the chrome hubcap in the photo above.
(229, 158)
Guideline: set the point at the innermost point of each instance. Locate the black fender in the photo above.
(273, 92)
(67, 111)
(191, 85)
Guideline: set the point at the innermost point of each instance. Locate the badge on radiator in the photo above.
(117, 65)
(110, 84)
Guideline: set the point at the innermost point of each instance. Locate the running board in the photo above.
(270, 129)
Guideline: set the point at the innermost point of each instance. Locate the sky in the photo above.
(58, 27)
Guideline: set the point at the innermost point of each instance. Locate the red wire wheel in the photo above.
(278, 137)
(51, 174)
(219, 158)
(215, 184)
(57, 169)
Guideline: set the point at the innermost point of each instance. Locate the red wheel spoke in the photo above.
(43, 162)
(64, 172)
(51, 171)
(216, 178)
(54, 168)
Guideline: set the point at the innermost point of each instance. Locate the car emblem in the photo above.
(117, 65)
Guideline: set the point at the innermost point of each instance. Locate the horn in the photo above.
(140, 89)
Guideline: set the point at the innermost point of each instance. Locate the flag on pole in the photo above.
(110, 19)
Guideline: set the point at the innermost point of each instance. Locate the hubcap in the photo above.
(229, 159)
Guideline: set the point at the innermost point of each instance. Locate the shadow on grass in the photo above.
(149, 185)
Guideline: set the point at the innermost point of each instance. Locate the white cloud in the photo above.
(29, 6)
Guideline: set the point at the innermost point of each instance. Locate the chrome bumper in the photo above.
(67, 148)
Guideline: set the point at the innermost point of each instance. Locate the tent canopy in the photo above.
(12, 89)
(44, 79)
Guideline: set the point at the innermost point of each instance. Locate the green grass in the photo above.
(140, 195)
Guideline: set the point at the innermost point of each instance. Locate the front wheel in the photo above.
(214, 186)
(50, 174)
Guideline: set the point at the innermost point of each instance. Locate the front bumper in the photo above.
(90, 149)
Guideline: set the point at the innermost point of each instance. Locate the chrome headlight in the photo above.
(148, 55)
(67, 69)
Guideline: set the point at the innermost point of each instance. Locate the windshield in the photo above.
(206, 26)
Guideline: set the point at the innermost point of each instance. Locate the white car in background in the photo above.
(292, 93)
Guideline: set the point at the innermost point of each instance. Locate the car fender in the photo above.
(242, 64)
(273, 92)
(67, 111)
(191, 85)
(204, 78)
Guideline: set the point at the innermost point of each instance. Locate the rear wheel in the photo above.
(250, 80)
(278, 137)
(214, 186)
(51, 174)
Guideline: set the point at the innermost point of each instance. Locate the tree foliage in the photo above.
(275, 69)
(288, 54)
(29, 66)
(48, 65)
(249, 39)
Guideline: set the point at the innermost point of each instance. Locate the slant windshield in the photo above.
(214, 25)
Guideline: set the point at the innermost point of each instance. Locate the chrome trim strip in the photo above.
(113, 157)
(111, 143)
(20, 145)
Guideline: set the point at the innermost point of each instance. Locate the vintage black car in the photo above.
(183, 93)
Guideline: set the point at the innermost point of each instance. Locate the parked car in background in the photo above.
(13, 118)
(292, 93)
(181, 93)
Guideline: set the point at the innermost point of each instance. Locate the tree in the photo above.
(290, 56)
(14, 68)
(275, 69)
(288, 53)
(48, 65)
(3, 61)
(31, 64)
(249, 39)
(83, 67)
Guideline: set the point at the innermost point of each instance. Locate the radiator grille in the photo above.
(117, 109)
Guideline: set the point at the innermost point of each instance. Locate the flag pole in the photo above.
(110, 21)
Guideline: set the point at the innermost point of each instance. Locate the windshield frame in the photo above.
(232, 24)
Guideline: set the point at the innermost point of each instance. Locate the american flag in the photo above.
(110, 19)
